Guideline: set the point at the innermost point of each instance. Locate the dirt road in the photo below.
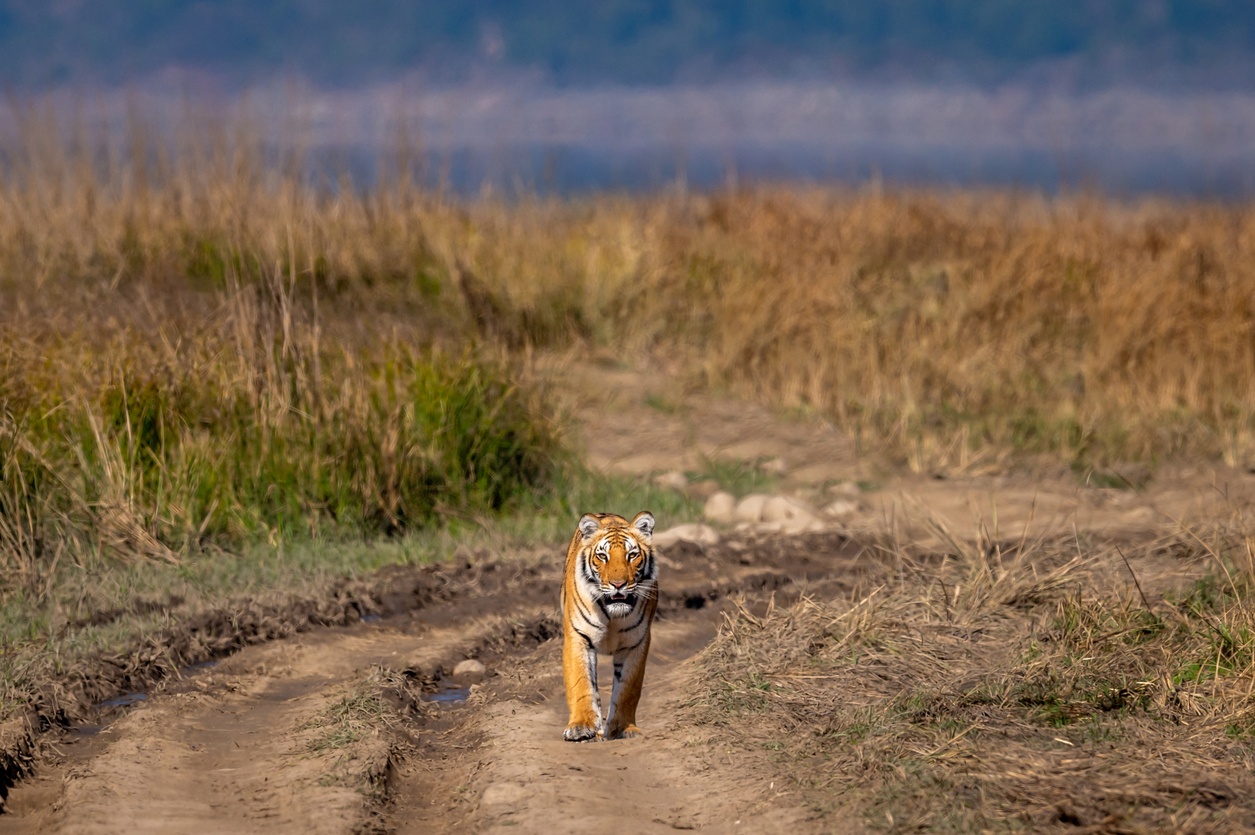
(252, 744)
(345, 730)
(361, 728)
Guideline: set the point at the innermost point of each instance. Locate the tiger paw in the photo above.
(578, 732)
(630, 732)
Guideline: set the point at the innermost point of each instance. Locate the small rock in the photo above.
(845, 490)
(698, 534)
(791, 527)
(750, 508)
(674, 480)
(785, 509)
(720, 508)
(777, 467)
(703, 489)
(469, 670)
(841, 509)
(812, 524)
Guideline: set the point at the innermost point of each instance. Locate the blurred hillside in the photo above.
(1155, 42)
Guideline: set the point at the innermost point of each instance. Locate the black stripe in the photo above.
(643, 574)
(587, 639)
(590, 622)
(589, 575)
(635, 645)
(579, 604)
(638, 622)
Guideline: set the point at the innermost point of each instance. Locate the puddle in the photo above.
(371, 618)
(128, 700)
(448, 693)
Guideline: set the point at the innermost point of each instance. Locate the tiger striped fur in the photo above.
(609, 595)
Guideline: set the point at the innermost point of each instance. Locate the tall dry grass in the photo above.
(198, 268)
(205, 354)
(945, 329)
(1048, 684)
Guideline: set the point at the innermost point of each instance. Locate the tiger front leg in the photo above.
(629, 675)
(579, 674)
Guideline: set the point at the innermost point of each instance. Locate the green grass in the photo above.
(47, 632)
(740, 478)
(159, 465)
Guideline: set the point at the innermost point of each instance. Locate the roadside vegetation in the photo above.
(942, 329)
(1034, 685)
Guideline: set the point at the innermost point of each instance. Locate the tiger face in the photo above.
(617, 561)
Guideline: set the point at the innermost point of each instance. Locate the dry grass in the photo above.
(190, 328)
(1042, 688)
(947, 329)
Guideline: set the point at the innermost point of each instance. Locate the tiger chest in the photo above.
(623, 631)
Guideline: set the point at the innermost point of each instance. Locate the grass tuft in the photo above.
(986, 691)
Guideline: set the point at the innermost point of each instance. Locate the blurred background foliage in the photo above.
(626, 41)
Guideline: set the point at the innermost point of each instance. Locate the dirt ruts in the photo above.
(287, 735)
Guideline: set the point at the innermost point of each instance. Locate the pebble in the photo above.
(845, 490)
(777, 467)
(698, 534)
(841, 509)
(720, 507)
(750, 508)
(674, 480)
(785, 509)
(703, 489)
(469, 670)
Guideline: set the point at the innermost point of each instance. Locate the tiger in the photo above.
(609, 596)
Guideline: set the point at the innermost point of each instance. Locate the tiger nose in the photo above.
(618, 586)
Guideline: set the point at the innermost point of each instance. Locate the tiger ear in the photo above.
(644, 522)
(589, 526)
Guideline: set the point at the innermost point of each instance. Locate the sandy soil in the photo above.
(234, 748)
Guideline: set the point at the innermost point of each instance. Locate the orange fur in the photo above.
(609, 596)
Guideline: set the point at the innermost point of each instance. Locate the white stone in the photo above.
(469, 670)
(784, 509)
(698, 534)
(841, 509)
(750, 508)
(777, 467)
(720, 507)
(674, 480)
(845, 490)
(810, 524)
